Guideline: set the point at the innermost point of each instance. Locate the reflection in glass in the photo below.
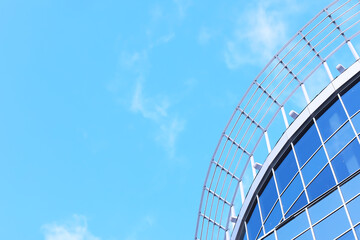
(274, 218)
(356, 121)
(348, 161)
(285, 171)
(291, 193)
(347, 236)
(351, 99)
(332, 226)
(325, 206)
(260, 233)
(293, 227)
(321, 183)
(312, 168)
(339, 140)
(351, 188)
(357, 230)
(331, 120)
(354, 210)
(305, 236)
(254, 223)
(300, 202)
(307, 145)
(268, 197)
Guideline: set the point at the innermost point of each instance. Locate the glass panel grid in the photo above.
(307, 145)
(339, 139)
(314, 165)
(331, 120)
(332, 225)
(302, 193)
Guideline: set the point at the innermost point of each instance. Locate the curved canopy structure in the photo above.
(289, 82)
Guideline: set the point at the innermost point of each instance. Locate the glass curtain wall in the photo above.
(313, 193)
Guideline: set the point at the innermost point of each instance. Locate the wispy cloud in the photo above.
(74, 229)
(259, 33)
(134, 60)
(169, 131)
(133, 73)
(182, 6)
(166, 38)
(257, 38)
(148, 107)
(156, 110)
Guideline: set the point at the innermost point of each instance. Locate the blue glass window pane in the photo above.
(357, 230)
(354, 210)
(291, 193)
(331, 120)
(268, 197)
(356, 121)
(285, 171)
(332, 226)
(254, 223)
(351, 99)
(339, 140)
(305, 236)
(312, 168)
(351, 188)
(321, 183)
(325, 206)
(347, 236)
(297, 205)
(270, 237)
(274, 218)
(307, 145)
(348, 161)
(260, 233)
(293, 227)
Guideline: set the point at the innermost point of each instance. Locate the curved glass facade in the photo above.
(313, 191)
(300, 159)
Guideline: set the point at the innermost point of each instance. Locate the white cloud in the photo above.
(148, 107)
(75, 229)
(257, 37)
(169, 132)
(234, 57)
(132, 73)
(166, 38)
(182, 6)
(134, 60)
(156, 109)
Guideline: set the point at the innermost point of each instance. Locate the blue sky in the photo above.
(111, 110)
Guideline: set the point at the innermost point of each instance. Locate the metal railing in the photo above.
(294, 76)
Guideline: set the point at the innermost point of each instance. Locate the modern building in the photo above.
(287, 164)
